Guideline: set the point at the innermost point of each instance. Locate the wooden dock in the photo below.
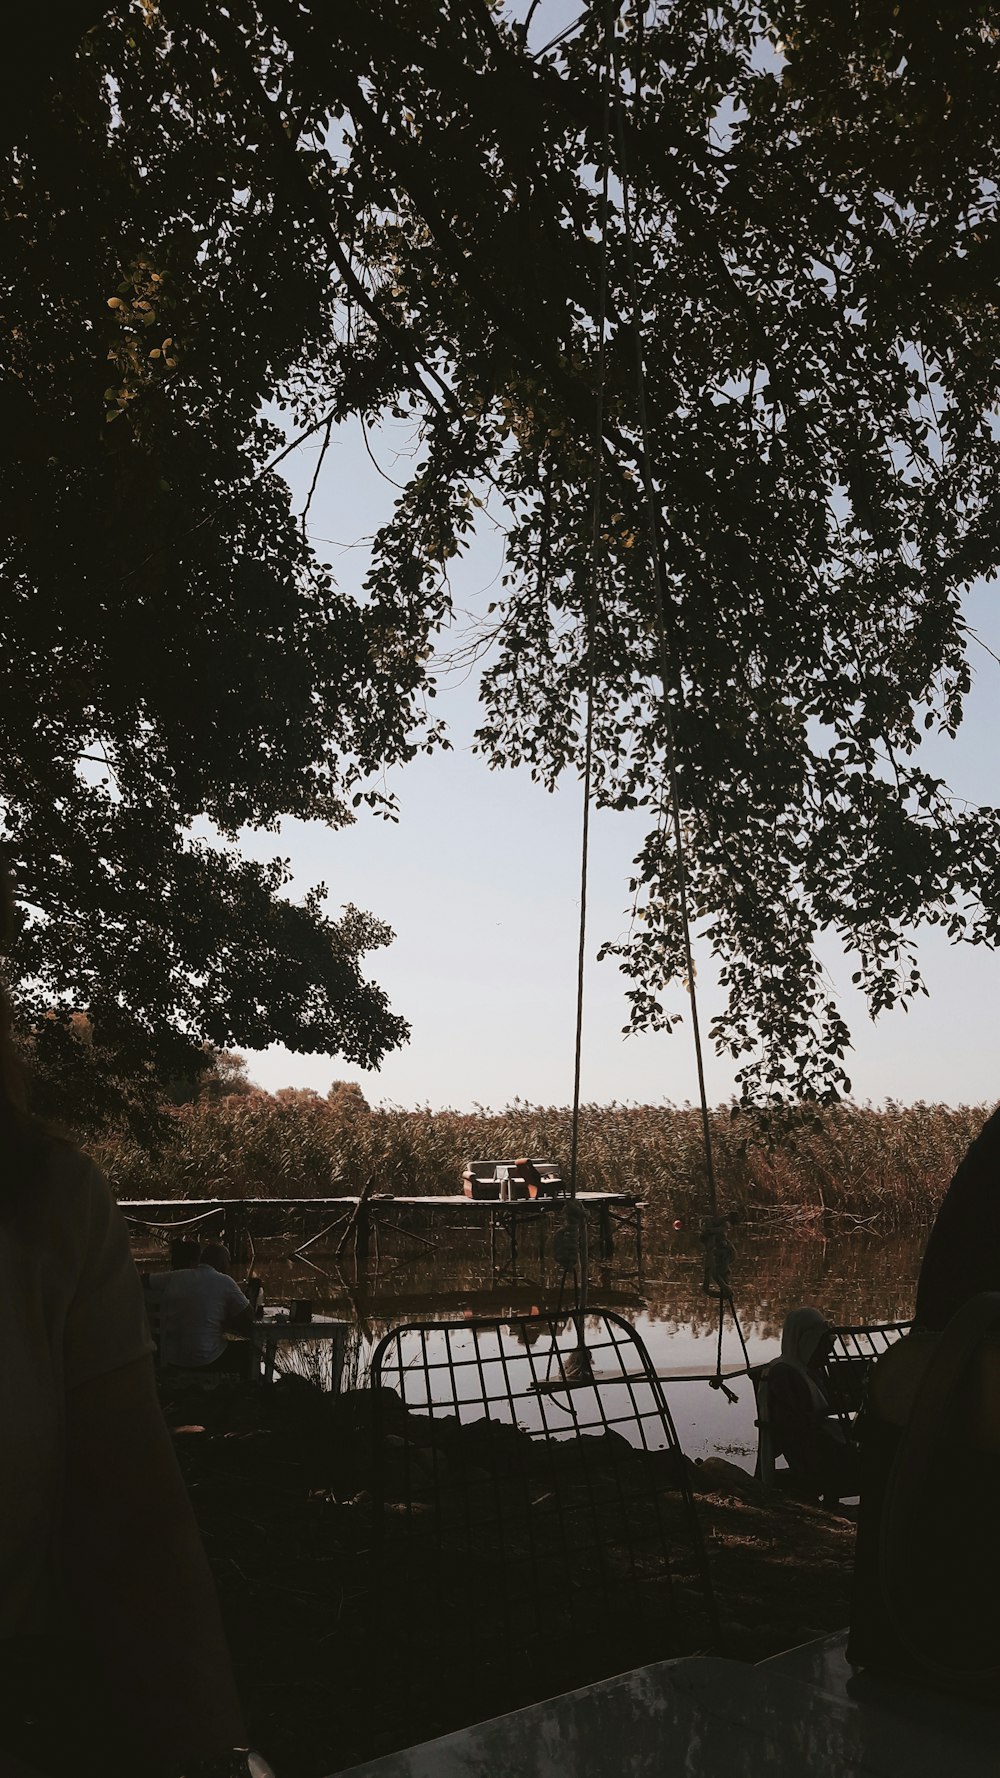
(239, 1220)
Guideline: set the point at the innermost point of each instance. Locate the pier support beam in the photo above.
(607, 1234)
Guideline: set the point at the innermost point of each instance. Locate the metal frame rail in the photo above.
(511, 1493)
(845, 1373)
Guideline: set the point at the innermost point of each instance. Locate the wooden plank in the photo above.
(144, 1207)
(676, 1374)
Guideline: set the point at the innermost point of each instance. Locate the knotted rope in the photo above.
(719, 1256)
(592, 580)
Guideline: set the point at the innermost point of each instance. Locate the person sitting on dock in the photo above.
(798, 1409)
(199, 1305)
(529, 1173)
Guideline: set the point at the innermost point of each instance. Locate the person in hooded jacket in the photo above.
(804, 1429)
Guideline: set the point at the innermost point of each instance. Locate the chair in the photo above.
(855, 1351)
(521, 1467)
(845, 1378)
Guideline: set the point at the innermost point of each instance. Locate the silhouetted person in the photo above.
(183, 1254)
(926, 1555)
(104, 1586)
(962, 1256)
(199, 1305)
(798, 1408)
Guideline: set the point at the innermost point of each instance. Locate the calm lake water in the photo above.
(852, 1277)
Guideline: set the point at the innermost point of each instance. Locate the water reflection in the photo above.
(853, 1278)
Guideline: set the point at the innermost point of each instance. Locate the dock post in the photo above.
(235, 1223)
(362, 1232)
(607, 1233)
(638, 1242)
(493, 1240)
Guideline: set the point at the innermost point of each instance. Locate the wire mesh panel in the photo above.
(854, 1351)
(532, 1502)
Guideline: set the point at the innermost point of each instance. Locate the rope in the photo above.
(569, 1243)
(719, 1252)
(666, 674)
(571, 1251)
(719, 1256)
(187, 1223)
(591, 604)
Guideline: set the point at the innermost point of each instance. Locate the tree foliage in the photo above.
(173, 654)
(394, 209)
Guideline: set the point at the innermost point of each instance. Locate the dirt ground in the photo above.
(383, 1583)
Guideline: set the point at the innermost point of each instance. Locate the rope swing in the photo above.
(592, 572)
(718, 1249)
(570, 1240)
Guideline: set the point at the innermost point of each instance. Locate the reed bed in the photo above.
(857, 1162)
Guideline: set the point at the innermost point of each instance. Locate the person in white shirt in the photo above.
(199, 1305)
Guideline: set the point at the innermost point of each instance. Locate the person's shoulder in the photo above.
(186, 1284)
(70, 1184)
(71, 1212)
(70, 1168)
(782, 1375)
(217, 1283)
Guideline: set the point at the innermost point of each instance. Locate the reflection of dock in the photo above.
(239, 1221)
(509, 1300)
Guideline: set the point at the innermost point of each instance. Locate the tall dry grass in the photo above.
(893, 1162)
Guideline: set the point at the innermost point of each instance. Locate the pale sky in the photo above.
(480, 882)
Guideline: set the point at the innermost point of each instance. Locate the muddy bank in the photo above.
(384, 1581)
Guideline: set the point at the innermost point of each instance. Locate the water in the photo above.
(852, 1277)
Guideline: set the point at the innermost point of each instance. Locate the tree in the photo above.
(811, 261)
(225, 1075)
(172, 653)
(393, 209)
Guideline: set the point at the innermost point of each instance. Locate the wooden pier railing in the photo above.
(239, 1220)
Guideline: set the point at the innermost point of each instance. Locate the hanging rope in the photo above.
(592, 580)
(665, 664)
(719, 1252)
(719, 1256)
(571, 1236)
(570, 1247)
